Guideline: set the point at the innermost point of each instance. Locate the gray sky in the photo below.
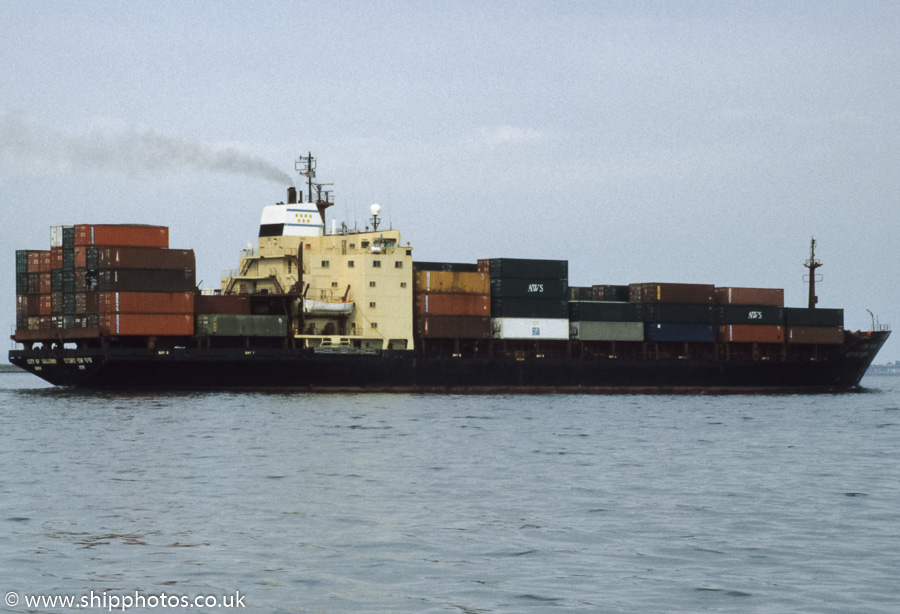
(698, 142)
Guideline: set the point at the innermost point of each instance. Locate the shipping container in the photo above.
(56, 258)
(87, 303)
(765, 315)
(449, 267)
(603, 311)
(34, 323)
(453, 327)
(451, 282)
(136, 235)
(530, 328)
(530, 308)
(21, 283)
(68, 281)
(68, 257)
(610, 293)
(232, 325)
(21, 261)
(453, 304)
(56, 236)
(154, 324)
(45, 322)
(607, 331)
(679, 313)
(141, 258)
(815, 334)
(21, 305)
(34, 283)
(145, 280)
(484, 265)
(34, 261)
(44, 304)
(56, 303)
(750, 333)
(68, 302)
(68, 238)
(804, 317)
(145, 302)
(529, 287)
(580, 293)
(222, 303)
(22, 322)
(680, 332)
(34, 305)
(657, 292)
(46, 262)
(518, 268)
(45, 285)
(773, 297)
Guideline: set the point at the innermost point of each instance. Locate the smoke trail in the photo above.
(27, 148)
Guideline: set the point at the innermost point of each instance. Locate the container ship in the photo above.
(340, 309)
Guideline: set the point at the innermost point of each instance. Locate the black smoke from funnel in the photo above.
(31, 149)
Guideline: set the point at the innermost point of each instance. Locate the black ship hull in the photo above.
(306, 370)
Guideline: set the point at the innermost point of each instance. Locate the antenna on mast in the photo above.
(812, 264)
(306, 166)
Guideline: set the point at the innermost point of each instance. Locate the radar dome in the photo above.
(375, 209)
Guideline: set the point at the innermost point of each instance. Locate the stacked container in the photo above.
(117, 279)
(750, 315)
(606, 321)
(451, 301)
(529, 298)
(820, 326)
(677, 312)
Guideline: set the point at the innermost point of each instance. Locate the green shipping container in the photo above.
(233, 325)
(607, 331)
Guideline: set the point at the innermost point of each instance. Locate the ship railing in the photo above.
(346, 350)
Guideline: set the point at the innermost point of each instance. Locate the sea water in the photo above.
(441, 503)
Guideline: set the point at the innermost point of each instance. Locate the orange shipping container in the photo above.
(749, 333)
(45, 262)
(80, 257)
(147, 324)
(451, 283)
(750, 296)
(453, 304)
(34, 261)
(56, 258)
(137, 235)
(44, 305)
(146, 302)
(44, 283)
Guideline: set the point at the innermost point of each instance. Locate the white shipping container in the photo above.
(608, 331)
(530, 328)
(56, 236)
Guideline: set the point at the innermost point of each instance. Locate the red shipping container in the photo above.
(80, 257)
(56, 258)
(145, 258)
(34, 305)
(216, 304)
(122, 234)
(815, 334)
(44, 284)
(484, 266)
(148, 324)
(453, 304)
(44, 308)
(34, 262)
(750, 296)
(147, 302)
(749, 333)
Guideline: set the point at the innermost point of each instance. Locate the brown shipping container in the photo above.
(146, 280)
(148, 324)
(484, 265)
(657, 292)
(451, 283)
(453, 304)
(146, 302)
(56, 303)
(46, 262)
(223, 304)
(44, 304)
(144, 258)
(81, 284)
(34, 305)
(453, 327)
(56, 258)
(44, 283)
(750, 296)
(749, 333)
(122, 234)
(34, 261)
(80, 257)
(815, 334)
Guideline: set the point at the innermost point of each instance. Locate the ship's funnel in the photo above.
(292, 195)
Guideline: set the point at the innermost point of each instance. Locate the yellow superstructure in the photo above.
(345, 290)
